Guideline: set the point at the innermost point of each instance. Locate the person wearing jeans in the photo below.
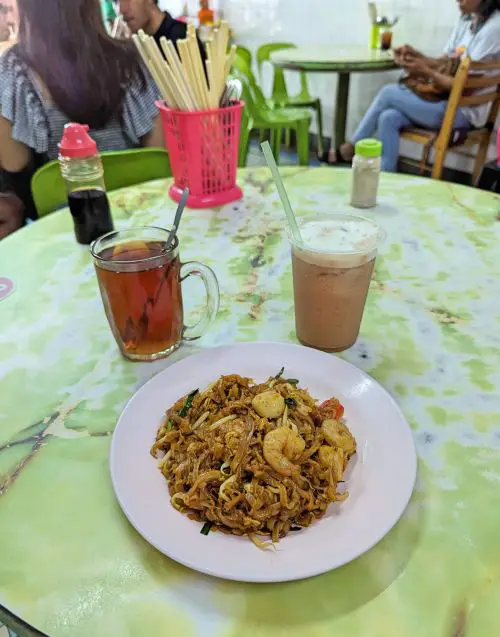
(396, 107)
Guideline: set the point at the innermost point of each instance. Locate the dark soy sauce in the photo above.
(91, 214)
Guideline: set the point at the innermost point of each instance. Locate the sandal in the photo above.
(324, 158)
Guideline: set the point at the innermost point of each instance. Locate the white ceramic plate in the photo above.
(380, 482)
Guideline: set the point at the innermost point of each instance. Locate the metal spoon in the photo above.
(177, 220)
(232, 92)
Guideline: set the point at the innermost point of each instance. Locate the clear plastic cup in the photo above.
(332, 271)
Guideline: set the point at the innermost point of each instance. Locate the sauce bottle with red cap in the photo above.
(82, 171)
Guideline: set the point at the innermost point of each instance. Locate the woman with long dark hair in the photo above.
(66, 68)
(396, 107)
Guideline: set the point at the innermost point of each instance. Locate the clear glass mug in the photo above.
(141, 288)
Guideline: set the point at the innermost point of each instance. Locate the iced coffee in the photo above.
(332, 270)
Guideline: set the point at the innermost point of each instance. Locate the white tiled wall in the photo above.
(425, 23)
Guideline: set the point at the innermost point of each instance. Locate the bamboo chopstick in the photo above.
(199, 70)
(164, 90)
(189, 72)
(179, 90)
(175, 64)
(212, 68)
(229, 61)
(184, 82)
(155, 56)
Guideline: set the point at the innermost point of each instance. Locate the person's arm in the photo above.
(14, 156)
(408, 50)
(419, 68)
(434, 63)
(17, 165)
(155, 138)
(406, 53)
(11, 214)
(444, 82)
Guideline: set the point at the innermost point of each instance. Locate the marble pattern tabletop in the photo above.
(72, 566)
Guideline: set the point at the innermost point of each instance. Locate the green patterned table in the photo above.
(72, 566)
(343, 61)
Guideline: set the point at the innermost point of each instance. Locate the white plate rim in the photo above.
(305, 573)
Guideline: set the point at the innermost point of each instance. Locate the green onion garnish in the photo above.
(280, 374)
(291, 402)
(188, 403)
(206, 528)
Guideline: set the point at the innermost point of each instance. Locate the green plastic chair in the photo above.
(245, 54)
(280, 92)
(262, 117)
(264, 111)
(246, 129)
(121, 168)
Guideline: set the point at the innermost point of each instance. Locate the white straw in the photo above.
(292, 222)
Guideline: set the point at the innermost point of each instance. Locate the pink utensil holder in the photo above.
(203, 148)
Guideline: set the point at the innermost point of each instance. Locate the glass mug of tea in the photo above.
(140, 282)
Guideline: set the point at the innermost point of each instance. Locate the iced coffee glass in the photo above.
(332, 270)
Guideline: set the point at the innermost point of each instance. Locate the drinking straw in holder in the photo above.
(292, 222)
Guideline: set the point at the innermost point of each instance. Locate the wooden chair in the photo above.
(470, 77)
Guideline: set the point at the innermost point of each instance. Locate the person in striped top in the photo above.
(85, 76)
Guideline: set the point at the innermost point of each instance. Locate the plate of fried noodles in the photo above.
(262, 462)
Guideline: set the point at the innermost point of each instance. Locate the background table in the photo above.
(72, 566)
(336, 60)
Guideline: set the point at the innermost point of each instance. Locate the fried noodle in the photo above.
(254, 459)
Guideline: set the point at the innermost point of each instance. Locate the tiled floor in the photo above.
(288, 157)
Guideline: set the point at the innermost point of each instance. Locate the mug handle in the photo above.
(207, 275)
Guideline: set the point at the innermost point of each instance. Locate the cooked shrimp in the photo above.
(333, 458)
(326, 456)
(281, 447)
(337, 435)
(269, 404)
